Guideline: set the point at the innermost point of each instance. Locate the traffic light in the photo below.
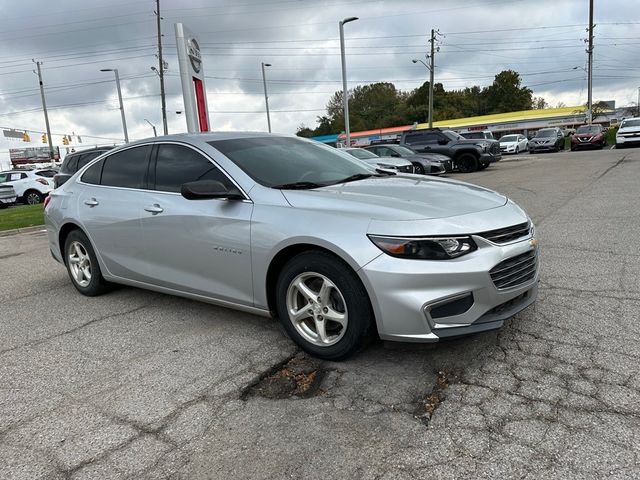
(44, 138)
(25, 137)
(65, 140)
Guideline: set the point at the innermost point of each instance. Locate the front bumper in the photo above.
(8, 200)
(404, 293)
(535, 147)
(490, 157)
(627, 141)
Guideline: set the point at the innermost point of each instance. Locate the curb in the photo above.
(35, 228)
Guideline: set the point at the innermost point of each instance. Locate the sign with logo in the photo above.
(194, 92)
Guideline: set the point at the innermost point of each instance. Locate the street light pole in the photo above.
(152, 126)
(590, 66)
(124, 122)
(266, 97)
(345, 93)
(46, 116)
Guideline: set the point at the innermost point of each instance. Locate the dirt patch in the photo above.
(299, 377)
(430, 402)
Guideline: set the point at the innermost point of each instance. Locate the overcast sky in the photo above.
(543, 40)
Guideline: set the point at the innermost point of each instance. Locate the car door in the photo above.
(109, 206)
(195, 246)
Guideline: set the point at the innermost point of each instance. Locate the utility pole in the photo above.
(345, 92)
(161, 70)
(590, 67)
(433, 63)
(46, 116)
(638, 102)
(266, 97)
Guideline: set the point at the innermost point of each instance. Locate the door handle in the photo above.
(92, 202)
(154, 209)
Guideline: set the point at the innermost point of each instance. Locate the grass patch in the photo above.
(21, 216)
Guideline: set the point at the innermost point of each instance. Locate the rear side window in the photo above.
(427, 137)
(177, 164)
(86, 158)
(127, 168)
(93, 173)
(70, 164)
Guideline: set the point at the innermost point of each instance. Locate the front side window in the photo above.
(276, 161)
(127, 168)
(177, 164)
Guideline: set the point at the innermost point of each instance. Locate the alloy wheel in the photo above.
(317, 309)
(79, 264)
(33, 198)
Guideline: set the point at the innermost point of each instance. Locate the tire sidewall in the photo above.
(419, 169)
(360, 316)
(467, 163)
(37, 195)
(96, 284)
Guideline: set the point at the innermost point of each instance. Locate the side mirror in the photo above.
(209, 189)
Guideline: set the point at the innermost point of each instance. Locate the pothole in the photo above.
(299, 377)
(430, 402)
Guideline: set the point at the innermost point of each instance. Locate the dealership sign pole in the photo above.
(192, 78)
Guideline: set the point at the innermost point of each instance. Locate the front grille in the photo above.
(514, 271)
(507, 234)
(495, 148)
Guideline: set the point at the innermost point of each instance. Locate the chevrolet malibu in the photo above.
(286, 227)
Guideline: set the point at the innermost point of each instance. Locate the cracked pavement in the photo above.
(136, 384)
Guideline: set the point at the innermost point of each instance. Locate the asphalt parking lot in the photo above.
(136, 384)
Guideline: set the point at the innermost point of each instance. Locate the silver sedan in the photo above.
(283, 226)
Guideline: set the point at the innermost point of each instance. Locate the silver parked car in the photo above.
(284, 226)
(396, 164)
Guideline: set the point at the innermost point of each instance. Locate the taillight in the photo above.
(42, 181)
(47, 199)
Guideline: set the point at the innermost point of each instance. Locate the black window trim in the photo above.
(154, 159)
(105, 157)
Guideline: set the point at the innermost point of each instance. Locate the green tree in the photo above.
(507, 94)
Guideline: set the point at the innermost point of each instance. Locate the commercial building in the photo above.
(526, 122)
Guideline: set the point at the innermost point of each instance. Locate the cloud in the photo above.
(542, 40)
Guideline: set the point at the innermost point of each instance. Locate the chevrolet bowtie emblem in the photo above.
(534, 243)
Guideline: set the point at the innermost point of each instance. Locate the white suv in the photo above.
(31, 186)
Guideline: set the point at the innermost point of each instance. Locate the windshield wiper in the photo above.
(298, 186)
(357, 176)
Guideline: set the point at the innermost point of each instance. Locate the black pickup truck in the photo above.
(468, 155)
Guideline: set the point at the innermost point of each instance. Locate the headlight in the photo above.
(436, 248)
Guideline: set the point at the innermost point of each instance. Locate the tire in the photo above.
(32, 197)
(467, 163)
(82, 265)
(298, 290)
(419, 169)
(517, 150)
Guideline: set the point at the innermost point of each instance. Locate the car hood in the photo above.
(398, 197)
(543, 139)
(395, 161)
(477, 141)
(629, 130)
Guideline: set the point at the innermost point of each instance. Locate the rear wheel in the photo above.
(33, 197)
(419, 169)
(82, 265)
(323, 306)
(467, 163)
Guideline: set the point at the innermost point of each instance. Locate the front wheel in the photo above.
(323, 306)
(467, 163)
(517, 150)
(419, 169)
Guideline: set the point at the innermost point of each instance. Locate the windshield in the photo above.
(403, 150)
(362, 154)
(633, 122)
(588, 129)
(509, 138)
(273, 161)
(452, 135)
(546, 133)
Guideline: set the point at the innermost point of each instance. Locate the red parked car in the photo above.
(588, 136)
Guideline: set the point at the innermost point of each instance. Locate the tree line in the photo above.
(382, 105)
